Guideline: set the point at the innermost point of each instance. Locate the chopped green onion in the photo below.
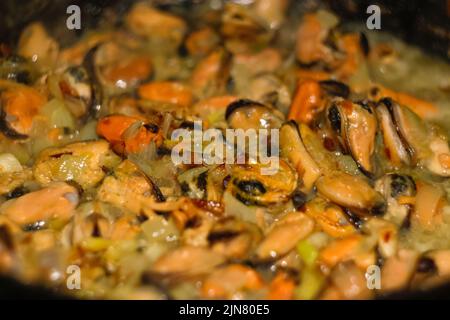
(311, 283)
(307, 252)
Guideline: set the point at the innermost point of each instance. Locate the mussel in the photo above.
(231, 281)
(193, 182)
(233, 238)
(119, 68)
(427, 145)
(395, 148)
(82, 162)
(311, 98)
(129, 187)
(89, 224)
(242, 29)
(211, 75)
(411, 128)
(36, 44)
(247, 114)
(315, 43)
(89, 65)
(156, 26)
(335, 88)
(111, 69)
(351, 192)
(77, 89)
(386, 234)
(355, 126)
(251, 186)
(284, 235)
(397, 189)
(18, 106)
(56, 202)
(17, 68)
(429, 204)
(98, 221)
(272, 12)
(270, 90)
(292, 148)
(187, 261)
(216, 182)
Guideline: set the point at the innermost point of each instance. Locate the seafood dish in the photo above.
(349, 199)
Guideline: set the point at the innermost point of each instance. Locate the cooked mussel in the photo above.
(211, 75)
(90, 224)
(351, 192)
(355, 125)
(75, 80)
(89, 65)
(250, 185)
(216, 182)
(335, 122)
(395, 148)
(292, 148)
(330, 218)
(335, 88)
(17, 68)
(187, 261)
(439, 162)
(311, 98)
(386, 234)
(128, 187)
(272, 12)
(76, 87)
(242, 28)
(82, 162)
(128, 134)
(233, 238)
(247, 114)
(270, 90)
(158, 27)
(193, 182)
(98, 221)
(429, 204)
(426, 143)
(36, 44)
(19, 105)
(34, 210)
(112, 69)
(361, 129)
(397, 189)
(411, 128)
(283, 235)
(231, 281)
(120, 69)
(315, 43)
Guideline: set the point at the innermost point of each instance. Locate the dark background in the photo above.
(422, 22)
(425, 23)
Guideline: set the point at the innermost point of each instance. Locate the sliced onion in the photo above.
(58, 115)
(9, 163)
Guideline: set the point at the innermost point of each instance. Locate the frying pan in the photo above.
(423, 23)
